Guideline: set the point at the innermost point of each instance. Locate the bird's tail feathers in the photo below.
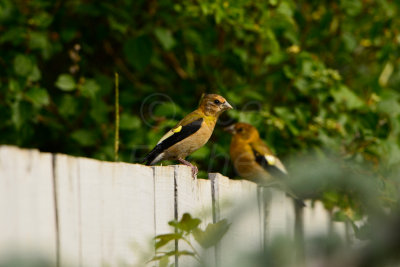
(151, 157)
(299, 202)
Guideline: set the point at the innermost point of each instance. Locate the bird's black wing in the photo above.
(270, 167)
(176, 137)
(275, 171)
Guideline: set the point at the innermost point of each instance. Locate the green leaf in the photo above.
(14, 35)
(349, 41)
(6, 9)
(66, 82)
(21, 113)
(173, 253)
(16, 115)
(68, 106)
(100, 111)
(351, 7)
(138, 51)
(165, 37)
(35, 75)
(302, 84)
(285, 113)
(38, 96)
(162, 240)
(340, 216)
(389, 103)
(273, 2)
(129, 122)
(185, 253)
(213, 233)
(187, 223)
(330, 199)
(344, 95)
(285, 9)
(39, 40)
(14, 86)
(275, 58)
(42, 19)
(166, 109)
(163, 262)
(201, 153)
(84, 137)
(89, 88)
(117, 26)
(22, 65)
(67, 34)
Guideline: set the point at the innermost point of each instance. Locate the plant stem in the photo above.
(116, 140)
(197, 255)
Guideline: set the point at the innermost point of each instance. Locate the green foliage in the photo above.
(212, 234)
(65, 82)
(184, 229)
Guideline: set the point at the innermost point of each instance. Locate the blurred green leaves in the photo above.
(212, 234)
(129, 122)
(89, 88)
(84, 137)
(23, 65)
(165, 37)
(38, 96)
(138, 51)
(66, 82)
(345, 96)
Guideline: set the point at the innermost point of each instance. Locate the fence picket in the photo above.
(27, 207)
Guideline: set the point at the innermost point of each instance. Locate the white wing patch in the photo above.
(170, 133)
(158, 158)
(274, 161)
(270, 159)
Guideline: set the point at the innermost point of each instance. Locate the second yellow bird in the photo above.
(254, 161)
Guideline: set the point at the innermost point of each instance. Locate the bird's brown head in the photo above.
(243, 131)
(214, 105)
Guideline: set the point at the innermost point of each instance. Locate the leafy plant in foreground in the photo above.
(184, 229)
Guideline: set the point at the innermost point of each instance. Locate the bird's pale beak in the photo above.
(230, 129)
(227, 105)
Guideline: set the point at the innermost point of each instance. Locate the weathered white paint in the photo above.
(236, 200)
(280, 214)
(68, 210)
(27, 208)
(186, 203)
(99, 222)
(316, 219)
(203, 211)
(164, 196)
(84, 212)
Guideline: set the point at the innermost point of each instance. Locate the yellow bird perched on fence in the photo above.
(254, 161)
(190, 134)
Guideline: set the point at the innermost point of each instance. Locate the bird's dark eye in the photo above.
(240, 130)
(216, 101)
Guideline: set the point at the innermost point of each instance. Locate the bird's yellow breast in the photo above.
(244, 161)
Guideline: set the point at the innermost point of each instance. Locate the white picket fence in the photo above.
(85, 212)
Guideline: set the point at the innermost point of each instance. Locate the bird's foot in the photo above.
(195, 170)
